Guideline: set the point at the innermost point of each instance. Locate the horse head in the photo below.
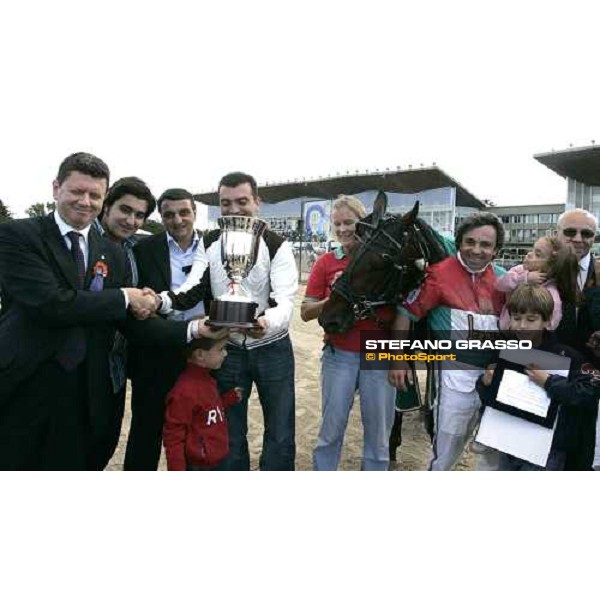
(389, 261)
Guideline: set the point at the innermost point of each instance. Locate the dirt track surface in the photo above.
(414, 453)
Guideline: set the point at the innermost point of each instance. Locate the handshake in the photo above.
(143, 303)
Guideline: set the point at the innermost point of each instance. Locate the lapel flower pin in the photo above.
(100, 268)
(99, 272)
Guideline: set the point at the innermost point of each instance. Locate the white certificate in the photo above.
(516, 389)
(515, 436)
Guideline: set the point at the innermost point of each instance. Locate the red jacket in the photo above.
(195, 430)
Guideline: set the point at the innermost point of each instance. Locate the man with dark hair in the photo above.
(481, 219)
(237, 178)
(458, 295)
(128, 203)
(66, 289)
(263, 356)
(164, 261)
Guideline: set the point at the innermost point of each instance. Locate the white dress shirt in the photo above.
(183, 259)
(65, 228)
(584, 265)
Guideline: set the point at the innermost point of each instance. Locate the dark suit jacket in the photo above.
(154, 271)
(154, 264)
(576, 326)
(152, 374)
(43, 306)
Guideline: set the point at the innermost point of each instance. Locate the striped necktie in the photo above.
(77, 255)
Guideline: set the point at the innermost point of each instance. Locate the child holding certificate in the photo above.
(530, 309)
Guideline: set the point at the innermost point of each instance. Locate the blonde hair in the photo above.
(352, 203)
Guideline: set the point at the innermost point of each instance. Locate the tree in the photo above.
(5, 213)
(39, 209)
(153, 226)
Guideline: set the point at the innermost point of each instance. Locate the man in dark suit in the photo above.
(163, 262)
(128, 203)
(580, 323)
(65, 287)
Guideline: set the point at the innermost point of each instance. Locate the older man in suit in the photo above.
(580, 324)
(65, 289)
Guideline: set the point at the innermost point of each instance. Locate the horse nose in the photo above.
(329, 323)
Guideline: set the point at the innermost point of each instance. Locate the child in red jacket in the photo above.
(195, 432)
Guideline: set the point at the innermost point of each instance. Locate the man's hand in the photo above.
(537, 375)
(260, 330)
(142, 303)
(488, 375)
(594, 343)
(400, 376)
(536, 277)
(204, 330)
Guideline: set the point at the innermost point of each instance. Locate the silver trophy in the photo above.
(240, 238)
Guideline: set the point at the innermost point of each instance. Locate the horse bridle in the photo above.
(363, 306)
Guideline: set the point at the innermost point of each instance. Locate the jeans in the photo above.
(271, 368)
(341, 376)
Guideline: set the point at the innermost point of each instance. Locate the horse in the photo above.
(389, 262)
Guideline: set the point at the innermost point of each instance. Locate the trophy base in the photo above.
(231, 324)
(229, 313)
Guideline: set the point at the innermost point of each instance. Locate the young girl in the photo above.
(551, 264)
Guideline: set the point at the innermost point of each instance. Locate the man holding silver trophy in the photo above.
(253, 278)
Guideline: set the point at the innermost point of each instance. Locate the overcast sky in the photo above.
(178, 94)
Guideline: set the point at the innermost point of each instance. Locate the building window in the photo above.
(545, 218)
(505, 218)
(517, 218)
(531, 218)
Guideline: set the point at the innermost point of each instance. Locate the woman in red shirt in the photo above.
(341, 375)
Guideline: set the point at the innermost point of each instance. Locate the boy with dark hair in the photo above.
(195, 433)
(530, 308)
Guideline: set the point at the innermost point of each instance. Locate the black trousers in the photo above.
(45, 425)
(104, 448)
(152, 377)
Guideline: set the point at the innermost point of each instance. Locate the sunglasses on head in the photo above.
(586, 234)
